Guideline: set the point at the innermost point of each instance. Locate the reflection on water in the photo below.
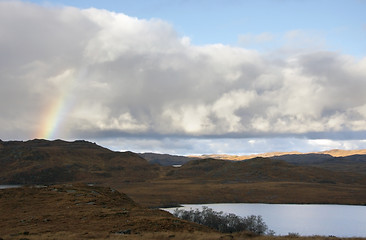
(9, 186)
(307, 220)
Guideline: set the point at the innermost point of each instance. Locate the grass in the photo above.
(84, 214)
(174, 192)
(79, 212)
(168, 236)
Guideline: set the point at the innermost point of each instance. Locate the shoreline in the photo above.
(264, 203)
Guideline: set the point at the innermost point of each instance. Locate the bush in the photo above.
(225, 223)
(293, 235)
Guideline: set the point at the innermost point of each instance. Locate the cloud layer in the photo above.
(114, 75)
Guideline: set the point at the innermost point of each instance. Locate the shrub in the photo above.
(293, 235)
(225, 223)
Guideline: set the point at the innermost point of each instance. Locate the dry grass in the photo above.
(170, 192)
(196, 235)
(76, 212)
(73, 212)
(79, 212)
(204, 181)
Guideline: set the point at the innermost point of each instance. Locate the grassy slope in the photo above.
(40, 161)
(201, 181)
(258, 180)
(85, 212)
(166, 193)
(79, 210)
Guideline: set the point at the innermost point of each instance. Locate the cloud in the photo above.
(110, 74)
(237, 146)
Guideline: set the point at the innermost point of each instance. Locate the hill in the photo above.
(334, 160)
(200, 181)
(259, 180)
(166, 159)
(352, 163)
(47, 162)
(80, 212)
(260, 170)
(333, 153)
(344, 153)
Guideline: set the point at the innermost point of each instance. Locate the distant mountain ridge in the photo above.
(352, 163)
(261, 170)
(166, 159)
(292, 178)
(333, 153)
(335, 160)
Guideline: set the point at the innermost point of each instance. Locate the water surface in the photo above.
(307, 219)
(9, 186)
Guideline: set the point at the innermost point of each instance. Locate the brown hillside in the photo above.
(201, 181)
(77, 212)
(260, 170)
(257, 180)
(344, 153)
(46, 162)
(80, 212)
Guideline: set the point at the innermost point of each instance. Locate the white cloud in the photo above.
(120, 34)
(188, 119)
(127, 75)
(236, 146)
(226, 106)
(326, 144)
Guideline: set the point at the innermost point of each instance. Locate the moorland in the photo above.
(91, 183)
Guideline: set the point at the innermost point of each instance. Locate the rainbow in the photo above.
(57, 110)
(53, 118)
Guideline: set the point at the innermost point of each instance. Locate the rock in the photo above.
(127, 231)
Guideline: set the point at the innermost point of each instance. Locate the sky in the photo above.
(185, 77)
